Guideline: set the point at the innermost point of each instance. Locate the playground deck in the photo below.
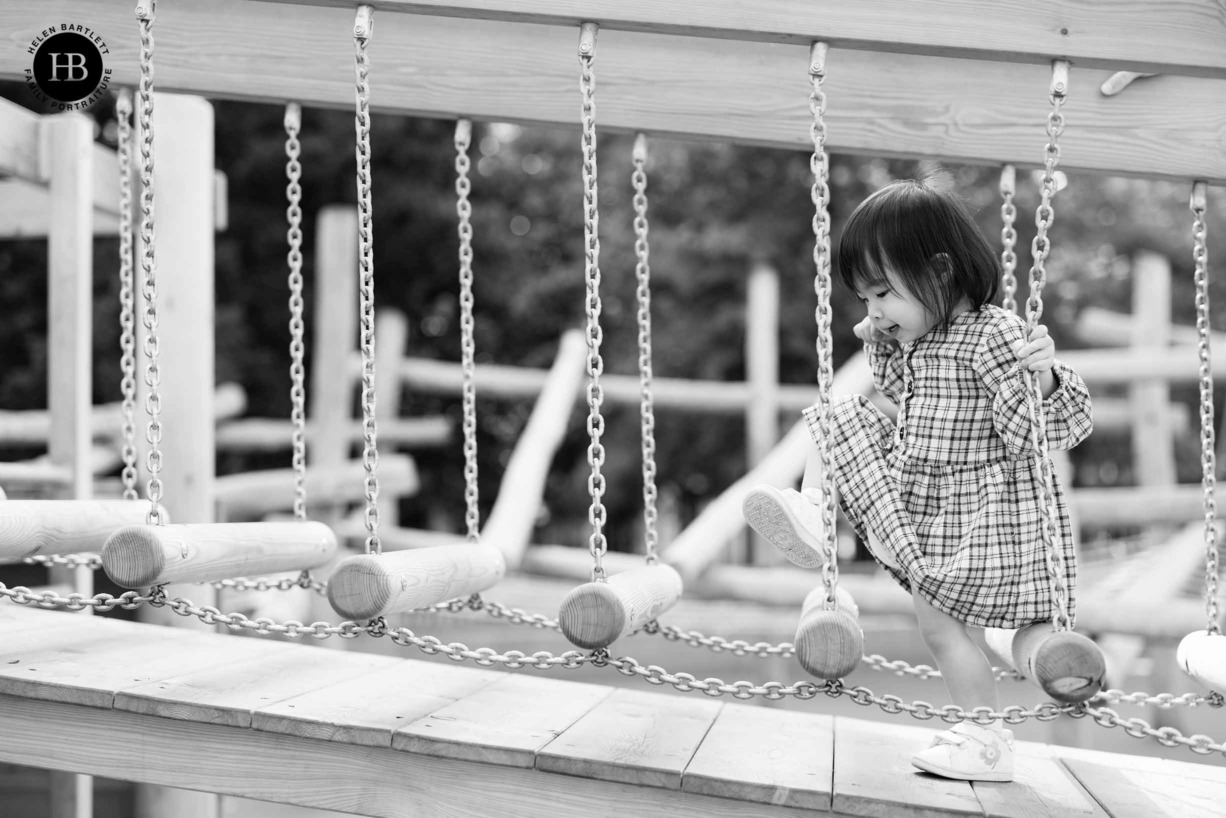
(386, 736)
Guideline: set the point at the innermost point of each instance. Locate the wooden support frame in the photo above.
(738, 90)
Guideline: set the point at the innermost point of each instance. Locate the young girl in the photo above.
(948, 496)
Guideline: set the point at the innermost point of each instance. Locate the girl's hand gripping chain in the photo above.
(1038, 355)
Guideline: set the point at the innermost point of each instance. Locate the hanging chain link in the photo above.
(1039, 249)
(591, 251)
(362, 32)
(145, 11)
(468, 367)
(127, 298)
(1200, 257)
(297, 349)
(1008, 238)
(819, 164)
(647, 418)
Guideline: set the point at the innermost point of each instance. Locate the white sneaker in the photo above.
(969, 752)
(788, 521)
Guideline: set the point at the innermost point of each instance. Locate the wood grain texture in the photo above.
(1202, 655)
(765, 754)
(751, 92)
(368, 709)
(596, 614)
(140, 556)
(44, 527)
(507, 722)
(369, 585)
(1183, 36)
(256, 493)
(1118, 795)
(633, 736)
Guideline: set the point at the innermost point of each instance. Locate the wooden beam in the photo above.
(23, 151)
(1180, 38)
(750, 92)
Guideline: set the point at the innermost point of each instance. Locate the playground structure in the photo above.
(694, 552)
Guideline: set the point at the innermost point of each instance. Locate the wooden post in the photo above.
(513, 516)
(184, 186)
(335, 334)
(391, 337)
(762, 374)
(70, 291)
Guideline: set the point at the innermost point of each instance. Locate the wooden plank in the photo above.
(1042, 788)
(1180, 37)
(766, 754)
(324, 774)
(746, 92)
(15, 619)
(275, 434)
(873, 775)
(228, 692)
(63, 665)
(635, 737)
(369, 709)
(26, 213)
(502, 723)
(256, 493)
(1117, 793)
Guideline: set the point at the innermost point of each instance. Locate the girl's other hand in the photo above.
(1039, 353)
(868, 333)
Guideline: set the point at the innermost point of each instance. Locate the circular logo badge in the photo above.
(67, 69)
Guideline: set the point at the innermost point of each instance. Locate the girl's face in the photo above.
(893, 310)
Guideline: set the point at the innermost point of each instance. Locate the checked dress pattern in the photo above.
(951, 488)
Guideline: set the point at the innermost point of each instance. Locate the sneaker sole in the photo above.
(945, 772)
(769, 516)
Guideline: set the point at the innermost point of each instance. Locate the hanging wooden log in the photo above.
(143, 555)
(596, 614)
(1202, 655)
(829, 644)
(1068, 666)
(31, 528)
(369, 585)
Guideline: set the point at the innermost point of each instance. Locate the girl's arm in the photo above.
(1001, 363)
(884, 359)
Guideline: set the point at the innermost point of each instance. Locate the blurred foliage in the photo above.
(715, 210)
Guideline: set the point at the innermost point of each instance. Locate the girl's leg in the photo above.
(967, 672)
(968, 751)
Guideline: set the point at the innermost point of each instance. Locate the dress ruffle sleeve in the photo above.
(886, 361)
(1067, 412)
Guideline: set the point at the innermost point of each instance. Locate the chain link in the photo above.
(468, 367)
(1166, 736)
(297, 349)
(21, 595)
(819, 165)
(91, 561)
(153, 399)
(1008, 238)
(1200, 257)
(591, 247)
(647, 418)
(127, 298)
(362, 32)
(303, 580)
(1040, 248)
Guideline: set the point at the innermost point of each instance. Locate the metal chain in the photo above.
(468, 367)
(21, 595)
(1200, 257)
(647, 418)
(1039, 249)
(362, 32)
(819, 164)
(91, 561)
(304, 580)
(1008, 238)
(297, 371)
(1164, 700)
(1166, 736)
(127, 298)
(591, 244)
(145, 10)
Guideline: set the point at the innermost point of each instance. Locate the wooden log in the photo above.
(368, 585)
(829, 644)
(597, 614)
(1140, 505)
(270, 490)
(1097, 326)
(1202, 655)
(762, 377)
(1066, 665)
(513, 516)
(31, 528)
(275, 434)
(142, 555)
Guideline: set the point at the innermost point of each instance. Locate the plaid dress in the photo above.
(951, 488)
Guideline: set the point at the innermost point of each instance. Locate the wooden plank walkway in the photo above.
(388, 736)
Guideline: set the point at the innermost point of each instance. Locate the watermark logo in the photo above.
(68, 72)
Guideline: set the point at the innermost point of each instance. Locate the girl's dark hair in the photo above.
(926, 236)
